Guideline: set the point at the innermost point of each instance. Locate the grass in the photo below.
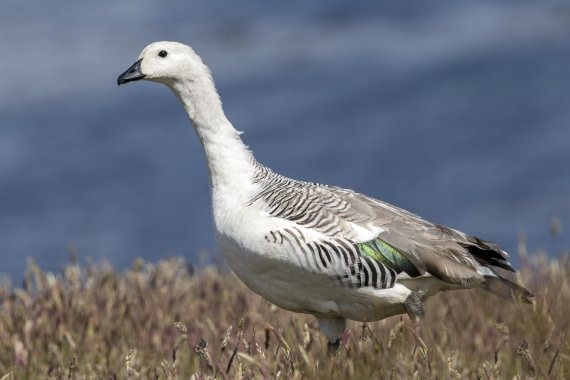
(163, 321)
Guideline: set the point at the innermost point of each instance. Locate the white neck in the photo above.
(228, 159)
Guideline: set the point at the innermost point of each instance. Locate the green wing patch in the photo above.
(383, 252)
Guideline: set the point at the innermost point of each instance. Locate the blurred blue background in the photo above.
(456, 110)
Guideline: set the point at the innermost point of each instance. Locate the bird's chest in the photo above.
(240, 234)
(244, 235)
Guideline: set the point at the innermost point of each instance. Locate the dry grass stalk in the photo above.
(80, 323)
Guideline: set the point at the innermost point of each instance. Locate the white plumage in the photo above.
(312, 248)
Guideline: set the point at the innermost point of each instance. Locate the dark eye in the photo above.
(162, 54)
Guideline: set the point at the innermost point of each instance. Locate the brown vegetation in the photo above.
(161, 321)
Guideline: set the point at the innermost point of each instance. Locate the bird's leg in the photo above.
(333, 328)
(414, 308)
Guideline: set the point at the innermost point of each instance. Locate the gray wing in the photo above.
(403, 242)
(441, 251)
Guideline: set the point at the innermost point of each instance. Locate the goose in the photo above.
(313, 248)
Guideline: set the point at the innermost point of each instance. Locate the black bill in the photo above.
(132, 73)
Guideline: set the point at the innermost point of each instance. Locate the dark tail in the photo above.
(507, 289)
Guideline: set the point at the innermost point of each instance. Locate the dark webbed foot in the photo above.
(414, 308)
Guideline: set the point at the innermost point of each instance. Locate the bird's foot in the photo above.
(414, 307)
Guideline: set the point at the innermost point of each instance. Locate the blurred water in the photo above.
(455, 111)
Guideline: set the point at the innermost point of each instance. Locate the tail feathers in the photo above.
(507, 289)
(488, 254)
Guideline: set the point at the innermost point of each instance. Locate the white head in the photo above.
(167, 63)
(181, 69)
